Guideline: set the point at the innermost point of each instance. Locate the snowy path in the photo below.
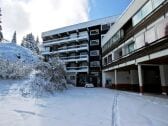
(83, 107)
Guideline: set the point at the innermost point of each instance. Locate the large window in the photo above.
(94, 42)
(137, 18)
(95, 64)
(131, 47)
(156, 3)
(147, 9)
(94, 53)
(116, 37)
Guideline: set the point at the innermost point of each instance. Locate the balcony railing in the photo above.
(65, 40)
(153, 36)
(67, 49)
(77, 69)
(75, 58)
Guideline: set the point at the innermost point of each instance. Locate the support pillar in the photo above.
(163, 75)
(140, 78)
(115, 74)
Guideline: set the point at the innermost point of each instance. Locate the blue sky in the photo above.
(105, 8)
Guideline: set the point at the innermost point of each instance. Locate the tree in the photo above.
(30, 43)
(1, 35)
(14, 38)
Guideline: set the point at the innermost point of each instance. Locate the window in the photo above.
(94, 32)
(131, 47)
(95, 64)
(105, 27)
(94, 53)
(147, 9)
(94, 42)
(47, 49)
(83, 53)
(105, 61)
(116, 37)
(156, 3)
(110, 58)
(137, 18)
(72, 77)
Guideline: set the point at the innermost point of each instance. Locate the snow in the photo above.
(81, 107)
(13, 52)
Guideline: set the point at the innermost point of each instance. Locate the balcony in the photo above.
(66, 40)
(77, 69)
(67, 49)
(151, 40)
(75, 58)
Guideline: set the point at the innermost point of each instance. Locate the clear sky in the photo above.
(105, 8)
(37, 16)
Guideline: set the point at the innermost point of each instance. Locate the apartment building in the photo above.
(135, 49)
(79, 46)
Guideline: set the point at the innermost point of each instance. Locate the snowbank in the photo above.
(12, 52)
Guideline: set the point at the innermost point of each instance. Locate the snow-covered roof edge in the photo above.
(130, 11)
(110, 19)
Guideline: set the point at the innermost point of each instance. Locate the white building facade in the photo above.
(79, 46)
(135, 49)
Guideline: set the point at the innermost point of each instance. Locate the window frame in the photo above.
(95, 30)
(96, 40)
(93, 51)
(97, 65)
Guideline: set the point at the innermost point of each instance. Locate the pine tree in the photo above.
(1, 35)
(30, 43)
(14, 38)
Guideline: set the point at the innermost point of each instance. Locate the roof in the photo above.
(131, 10)
(87, 24)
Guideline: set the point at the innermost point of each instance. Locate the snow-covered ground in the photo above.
(12, 52)
(81, 107)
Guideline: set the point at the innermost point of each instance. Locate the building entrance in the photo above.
(152, 81)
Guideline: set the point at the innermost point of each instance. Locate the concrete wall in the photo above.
(107, 76)
(134, 77)
(123, 77)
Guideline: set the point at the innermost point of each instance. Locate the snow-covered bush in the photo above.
(49, 77)
(14, 70)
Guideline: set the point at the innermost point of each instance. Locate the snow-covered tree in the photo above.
(14, 70)
(1, 35)
(14, 38)
(30, 43)
(50, 76)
